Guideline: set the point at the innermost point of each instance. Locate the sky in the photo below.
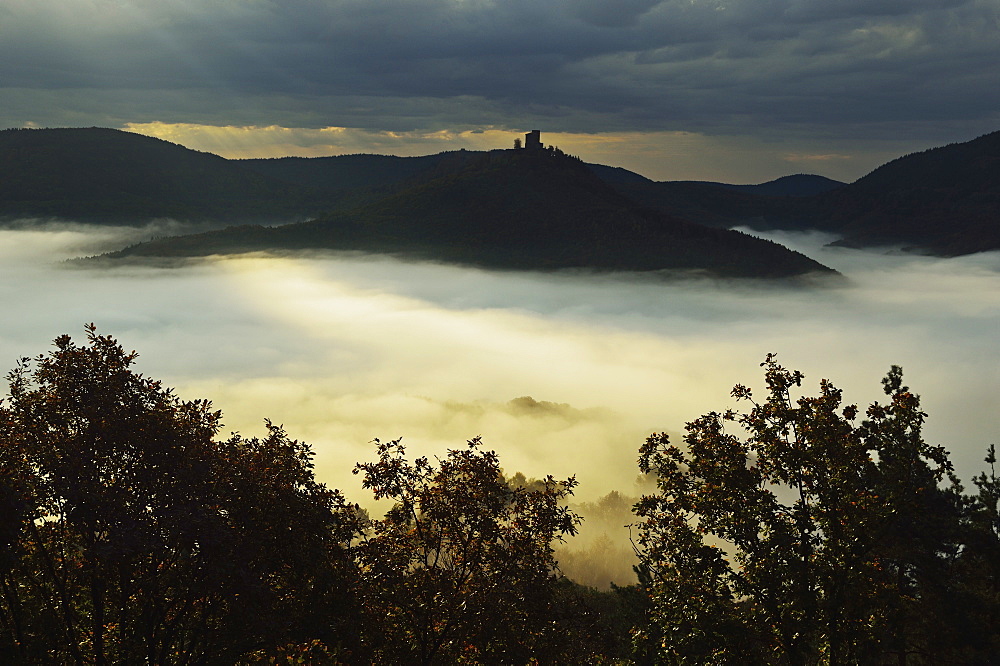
(562, 374)
(728, 90)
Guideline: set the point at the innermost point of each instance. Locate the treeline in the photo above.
(131, 533)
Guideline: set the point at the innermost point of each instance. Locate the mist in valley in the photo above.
(561, 374)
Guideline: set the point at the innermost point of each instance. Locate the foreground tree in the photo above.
(804, 538)
(461, 568)
(128, 534)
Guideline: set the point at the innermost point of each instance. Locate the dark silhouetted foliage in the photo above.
(812, 534)
(130, 535)
(811, 538)
(461, 569)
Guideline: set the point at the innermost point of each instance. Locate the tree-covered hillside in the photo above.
(109, 176)
(511, 209)
(943, 201)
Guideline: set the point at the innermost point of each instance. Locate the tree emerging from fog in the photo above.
(461, 569)
(132, 535)
(810, 537)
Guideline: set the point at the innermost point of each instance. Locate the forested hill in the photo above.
(110, 176)
(516, 209)
(797, 185)
(349, 172)
(945, 200)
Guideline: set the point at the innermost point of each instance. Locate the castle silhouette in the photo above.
(532, 141)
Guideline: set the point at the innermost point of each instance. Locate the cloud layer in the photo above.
(562, 374)
(910, 73)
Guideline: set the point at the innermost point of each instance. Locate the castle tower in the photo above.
(533, 140)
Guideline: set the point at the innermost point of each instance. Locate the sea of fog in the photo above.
(561, 374)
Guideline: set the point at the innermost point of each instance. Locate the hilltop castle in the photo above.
(532, 140)
(533, 144)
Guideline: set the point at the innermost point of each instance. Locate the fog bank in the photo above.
(561, 374)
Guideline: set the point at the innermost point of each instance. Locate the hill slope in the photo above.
(945, 200)
(512, 209)
(712, 204)
(109, 176)
(339, 173)
(796, 185)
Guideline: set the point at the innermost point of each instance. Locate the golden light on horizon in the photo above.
(663, 155)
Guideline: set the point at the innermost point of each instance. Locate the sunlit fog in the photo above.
(561, 374)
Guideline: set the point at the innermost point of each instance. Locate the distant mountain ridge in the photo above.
(796, 185)
(944, 200)
(110, 176)
(513, 209)
(338, 174)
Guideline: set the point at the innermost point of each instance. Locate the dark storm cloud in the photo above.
(834, 67)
